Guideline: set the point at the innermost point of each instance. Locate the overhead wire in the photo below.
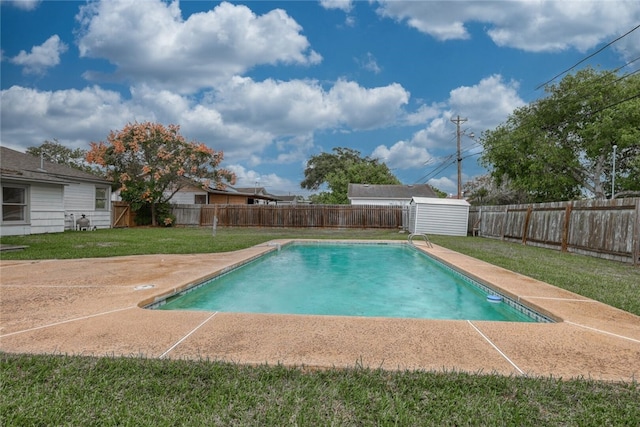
(588, 57)
(448, 161)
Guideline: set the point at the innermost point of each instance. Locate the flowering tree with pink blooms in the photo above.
(151, 162)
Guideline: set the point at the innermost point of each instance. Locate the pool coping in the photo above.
(94, 307)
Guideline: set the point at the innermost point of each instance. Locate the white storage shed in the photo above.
(431, 215)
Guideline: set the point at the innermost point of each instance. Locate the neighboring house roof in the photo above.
(289, 198)
(369, 191)
(261, 191)
(25, 167)
(250, 192)
(254, 192)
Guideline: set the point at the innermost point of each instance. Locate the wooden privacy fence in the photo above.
(327, 216)
(122, 215)
(603, 228)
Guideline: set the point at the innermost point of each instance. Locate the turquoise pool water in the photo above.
(372, 280)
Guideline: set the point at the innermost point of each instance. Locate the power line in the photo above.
(637, 95)
(588, 57)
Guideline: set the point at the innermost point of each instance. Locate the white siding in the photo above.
(439, 217)
(79, 199)
(186, 197)
(54, 208)
(47, 209)
(46, 212)
(15, 230)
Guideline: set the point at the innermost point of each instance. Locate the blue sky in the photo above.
(273, 83)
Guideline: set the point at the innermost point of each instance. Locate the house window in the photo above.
(201, 199)
(14, 203)
(101, 198)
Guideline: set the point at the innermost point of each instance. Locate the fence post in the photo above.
(635, 249)
(527, 218)
(564, 247)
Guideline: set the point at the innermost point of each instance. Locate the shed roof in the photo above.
(439, 201)
(25, 167)
(371, 191)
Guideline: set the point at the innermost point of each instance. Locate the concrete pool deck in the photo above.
(94, 307)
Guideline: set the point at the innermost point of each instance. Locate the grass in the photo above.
(147, 240)
(65, 390)
(75, 390)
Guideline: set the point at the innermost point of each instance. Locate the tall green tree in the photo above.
(338, 169)
(152, 162)
(55, 152)
(560, 147)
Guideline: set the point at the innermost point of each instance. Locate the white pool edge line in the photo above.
(62, 322)
(496, 347)
(603, 332)
(186, 336)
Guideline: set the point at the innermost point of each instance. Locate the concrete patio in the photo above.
(94, 307)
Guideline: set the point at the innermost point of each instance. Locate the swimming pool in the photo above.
(371, 280)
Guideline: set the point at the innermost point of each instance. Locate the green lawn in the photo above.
(74, 390)
(83, 391)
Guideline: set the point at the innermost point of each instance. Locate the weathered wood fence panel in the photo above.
(122, 215)
(328, 216)
(186, 214)
(604, 228)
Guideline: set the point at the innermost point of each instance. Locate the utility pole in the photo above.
(457, 121)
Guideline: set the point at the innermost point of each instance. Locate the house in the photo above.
(292, 200)
(195, 194)
(430, 215)
(394, 195)
(44, 197)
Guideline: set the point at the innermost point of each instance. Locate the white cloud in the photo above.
(629, 48)
(369, 62)
(344, 5)
(149, 41)
(41, 57)
(402, 155)
(23, 4)
(484, 105)
(423, 114)
(487, 103)
(297, 106)
(445, 184)
(534, 26)
(30, 116)
(361, 108)
(243, 118)
(273, 183)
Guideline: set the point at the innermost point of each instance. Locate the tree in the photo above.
(152, 162)
(338, 170)
(320, 166)
(483, 190)
(631, 182)
(561, 147)
(53, 151)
